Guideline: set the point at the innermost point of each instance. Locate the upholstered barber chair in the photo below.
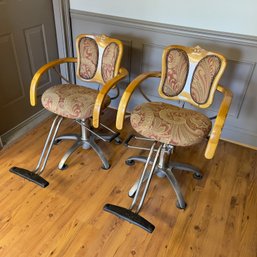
(98, 60)
(189, 74)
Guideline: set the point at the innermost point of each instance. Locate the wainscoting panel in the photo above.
(37, 50)
(9, 52)
(144, 43)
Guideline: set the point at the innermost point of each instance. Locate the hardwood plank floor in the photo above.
(66, 219)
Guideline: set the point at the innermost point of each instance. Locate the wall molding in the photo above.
(165, 28)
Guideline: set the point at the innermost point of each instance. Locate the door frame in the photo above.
(64, 36)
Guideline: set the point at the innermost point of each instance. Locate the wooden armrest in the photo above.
(127, 94)
(40, 72)
(219, 122)
(102, 94)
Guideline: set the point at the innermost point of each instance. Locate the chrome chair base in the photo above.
(86, 140)
(159, 162)
(85, 144)
(165, 170)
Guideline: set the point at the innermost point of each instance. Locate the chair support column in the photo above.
(85, 134)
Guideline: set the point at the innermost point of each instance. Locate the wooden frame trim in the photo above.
(194, 54)
(36, 78)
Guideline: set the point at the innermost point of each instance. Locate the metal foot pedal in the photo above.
(130, 216)
(29, 175)
(106, 138)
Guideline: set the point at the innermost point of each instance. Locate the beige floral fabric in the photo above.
(204, 74)
(71, 101)
(170, 124)
(88, 51)
(176, 73)
(109, 60)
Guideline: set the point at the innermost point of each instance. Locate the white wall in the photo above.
(220, 15)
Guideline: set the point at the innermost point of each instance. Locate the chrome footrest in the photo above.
(130, 216)
(105, 138)
(30, 175)
(33, 176)
(140, 194)
(130, 137)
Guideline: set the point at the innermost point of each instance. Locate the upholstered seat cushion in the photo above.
(71, 101)
(170, 124)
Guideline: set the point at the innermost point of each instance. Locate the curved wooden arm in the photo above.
(127, 94)
(102, 94)
(40, 72)
(219, 123)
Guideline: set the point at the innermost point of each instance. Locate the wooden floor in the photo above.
(66, 219)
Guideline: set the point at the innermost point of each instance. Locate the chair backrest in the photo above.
(99, 57)
(190, 74)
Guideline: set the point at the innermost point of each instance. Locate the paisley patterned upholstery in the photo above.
(109, 60)
(71, 101)
(204, 74)
(89, 54)
(88, 51)
(176, 74)
(170, 124)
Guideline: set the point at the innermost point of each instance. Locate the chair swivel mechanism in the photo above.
(98, 61)
(189, 74)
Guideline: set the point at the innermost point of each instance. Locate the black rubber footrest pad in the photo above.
(130, 216)
(31, 176)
